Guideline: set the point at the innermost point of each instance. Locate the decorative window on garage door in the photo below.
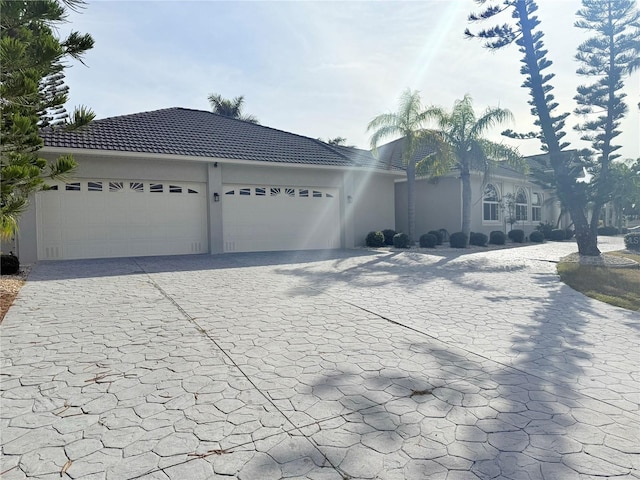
(277, 191)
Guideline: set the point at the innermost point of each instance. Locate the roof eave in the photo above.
(204, 159)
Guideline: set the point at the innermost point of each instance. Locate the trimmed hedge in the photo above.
(438, 234)
(497, 237)
(516, 236)
(375, 240)
(545, 228)
(9, 264)
(458, 240)
(558, 235)
(401, 240)
(428, 240)
(608, 231)
(632, 241)
(478, 239)
(537, 237)
(388, 236)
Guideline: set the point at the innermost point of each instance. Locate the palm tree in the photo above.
(407, 122)
(230, 108)
(463, 131)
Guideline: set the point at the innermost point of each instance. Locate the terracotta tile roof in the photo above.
(198, 133)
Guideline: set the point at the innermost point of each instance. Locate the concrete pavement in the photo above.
(320, 365)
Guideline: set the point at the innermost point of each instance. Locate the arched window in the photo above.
(536, 207)
(490, 204)
(521, 205)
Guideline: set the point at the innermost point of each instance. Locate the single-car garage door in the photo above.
(119, 218)
(266, 218)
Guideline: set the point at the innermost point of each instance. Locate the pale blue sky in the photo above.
(316, 68)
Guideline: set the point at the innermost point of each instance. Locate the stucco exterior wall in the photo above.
(372, 206)
(438, 205)
(283, 176)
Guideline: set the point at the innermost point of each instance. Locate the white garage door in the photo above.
(266, 218)
(119, 218)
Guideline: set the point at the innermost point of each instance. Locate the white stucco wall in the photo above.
(438, 205)
(372, 206)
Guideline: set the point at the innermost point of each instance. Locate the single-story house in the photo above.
(181, 181)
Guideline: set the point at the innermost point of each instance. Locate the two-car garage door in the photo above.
(101, 218)
(119, 218)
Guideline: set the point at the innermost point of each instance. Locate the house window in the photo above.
(136, 187)
(261, 191)
(490, 204)
(536, 207)
(175, 189)
(521, 205)
(72, 187)
(245, 191)
(156, 188)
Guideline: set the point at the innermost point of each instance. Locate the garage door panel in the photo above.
(113, 218)
(285, 218)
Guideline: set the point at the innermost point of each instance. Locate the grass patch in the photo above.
(616, 286)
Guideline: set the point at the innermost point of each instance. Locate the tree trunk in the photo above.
(465, 178)
(587, 242)
(411, 199)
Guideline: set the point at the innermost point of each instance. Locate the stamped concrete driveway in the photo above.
(319, 365)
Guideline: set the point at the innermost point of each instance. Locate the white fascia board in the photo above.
(194, 158)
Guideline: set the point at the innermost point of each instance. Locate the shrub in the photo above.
(375, 240)
(608, 231)
(632, 241)
(438, 234)
(458, 240)
(478, 239)
(9, 264)
(557, 235)
(545, 228)
(401, 240)
(497, 237)
(568, 234)
(428, 240)
(516, 236)
(388, 236)
(537, 237)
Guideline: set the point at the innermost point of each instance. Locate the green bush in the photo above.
(401, 240)
(388, 236)
(428, 240)
(608, 231)
(375, 240)
(516, 236)
(438, 234)
(458, 240)
(497, 238)
(9, 264)
(558, 235)
(478, 239)
(632, 241)
(537, 237)
(545, 228)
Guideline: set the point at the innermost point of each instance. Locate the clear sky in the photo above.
(318, 68)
